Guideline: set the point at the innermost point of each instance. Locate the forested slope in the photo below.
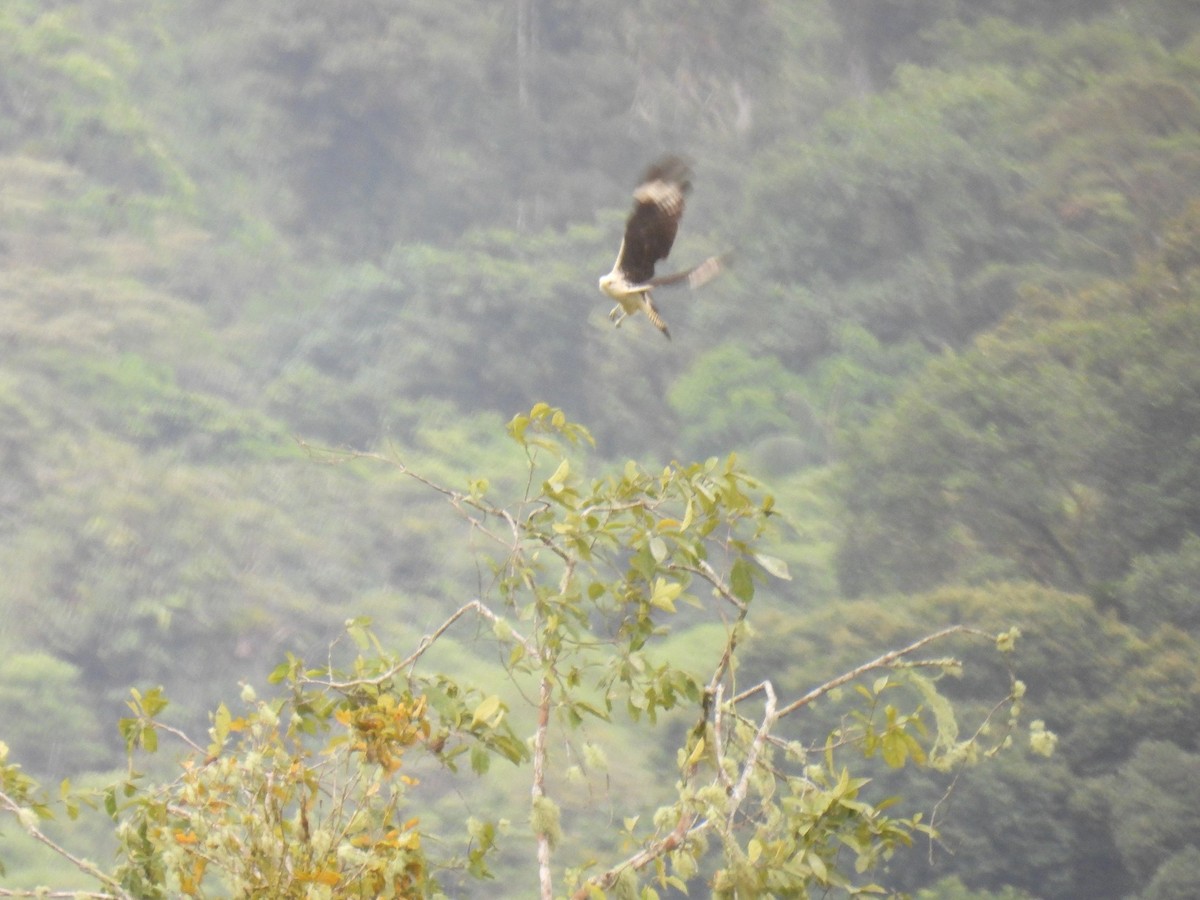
(961, 338)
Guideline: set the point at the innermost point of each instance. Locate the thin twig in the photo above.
(159, 726)
(65, 895)
(933, 814)
(684, 828)
(719, 738)
(81, 864)
(880, 662)
(705, 571)
(457, 499)
(426, 642)
(770, 717)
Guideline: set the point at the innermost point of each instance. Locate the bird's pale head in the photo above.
(608, 284)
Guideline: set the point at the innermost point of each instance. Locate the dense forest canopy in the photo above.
(960, 339)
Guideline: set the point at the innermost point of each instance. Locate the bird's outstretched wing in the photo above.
(651, 227)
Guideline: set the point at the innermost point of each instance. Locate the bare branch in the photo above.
(159, 726)
(457, 499)
(65, 895)
(545, 876)
(768, 722)
(82, 865)
(719, 738)
(705, 571)
(887, 660)
(426, 642)
(684, 828)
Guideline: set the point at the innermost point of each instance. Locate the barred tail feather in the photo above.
(652, 314)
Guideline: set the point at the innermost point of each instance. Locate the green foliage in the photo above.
(1176, 878)
(891, 213)
(261, 812)
(727, 393)
(1057, 448)
(316, 791)
(64, 93)
(1154, 806)
(1164, 587)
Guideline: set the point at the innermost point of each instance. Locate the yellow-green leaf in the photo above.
(658, 549)
(687, 516)
(665, 594)
(221, 720)
(486, 710)
(558, 479)
(818, 866)
(754, 850)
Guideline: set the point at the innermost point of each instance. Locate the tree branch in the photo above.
(82, 865)
(705, 571)
(770, 717)
(880, 662)
(545, 877)
(65, 895)
(686, 825)
(426, 642)
(683, 829)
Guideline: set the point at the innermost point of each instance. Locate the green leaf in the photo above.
(895, 748)
(741, 580)
(486, 710)
(665, 594)
(818, 866)
(754, 851)
(688, 516)
(221, 720)
(557, 481)
(358, 630)
(480, 760)
(658, 549)
(280, 672)
(517, 427)
(591, 709)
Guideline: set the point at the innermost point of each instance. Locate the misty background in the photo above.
(960, 341)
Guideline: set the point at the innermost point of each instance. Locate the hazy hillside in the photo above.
(960, 339)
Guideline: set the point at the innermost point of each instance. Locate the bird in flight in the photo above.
(649, 233)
